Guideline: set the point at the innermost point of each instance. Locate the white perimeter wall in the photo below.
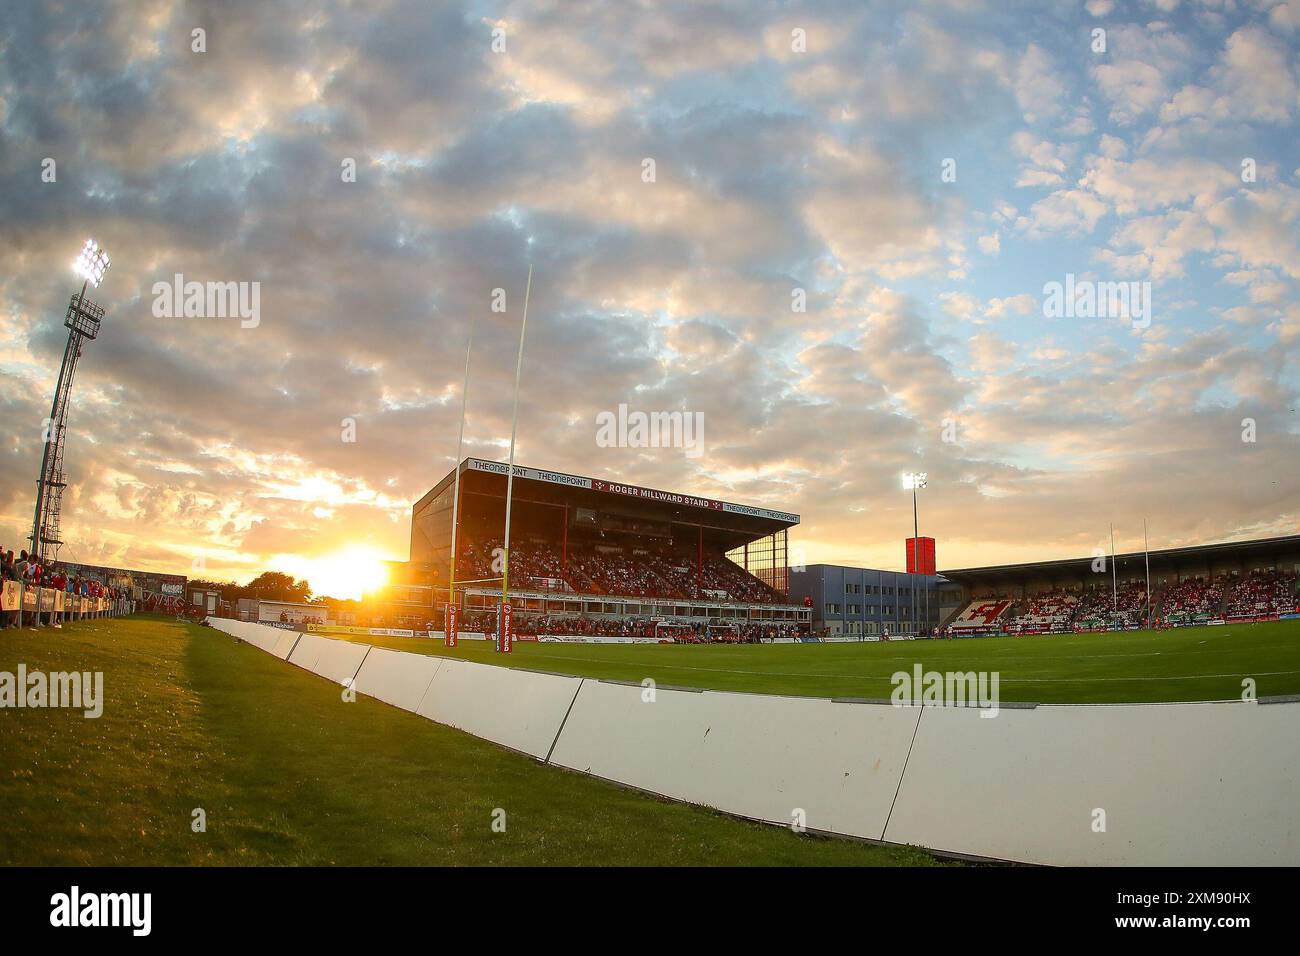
(519, 709)
(1180, 784)
(338, 661)
(762, 757)
(396, 677)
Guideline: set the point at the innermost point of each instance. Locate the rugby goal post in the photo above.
(724, 631)
(667, 629)
(454, 610)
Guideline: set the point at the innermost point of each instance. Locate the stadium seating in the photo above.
(599, 568)
(615, 572)
(1262, 594)
(980, 616)
(528, 559)
(543, 625)
(1190, 601)
(721, 574)
(1050, 611)
(1100, 607)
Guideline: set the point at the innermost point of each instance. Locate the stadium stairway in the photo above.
(1222, 609)
(1158, 601)
(951, 617)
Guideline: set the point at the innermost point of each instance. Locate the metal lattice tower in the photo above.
(82, 322)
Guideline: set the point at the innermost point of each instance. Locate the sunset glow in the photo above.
(887, 247)
(345, 574)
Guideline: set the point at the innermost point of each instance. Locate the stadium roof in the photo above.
(1162, 558)
(562, 488)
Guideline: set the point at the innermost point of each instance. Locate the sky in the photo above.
(828, 231)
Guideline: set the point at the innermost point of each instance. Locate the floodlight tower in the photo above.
(913, 481)
(82, 322)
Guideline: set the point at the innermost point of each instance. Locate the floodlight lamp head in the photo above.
(92, 263)
(913, 480)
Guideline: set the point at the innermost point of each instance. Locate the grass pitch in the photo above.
(288, 773)
(1184, 664)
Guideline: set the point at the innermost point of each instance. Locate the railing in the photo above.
(38, 606)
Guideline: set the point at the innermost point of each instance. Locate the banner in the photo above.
(595, 639)
(50, 600)
(632, 491)
(453, 619)
(315, 628)
(9, 596)
(506, 644)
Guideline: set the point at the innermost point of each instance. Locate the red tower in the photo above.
(925, 563)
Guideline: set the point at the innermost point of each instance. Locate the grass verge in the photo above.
(288, 773)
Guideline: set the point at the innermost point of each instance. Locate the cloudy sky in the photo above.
(917, 173)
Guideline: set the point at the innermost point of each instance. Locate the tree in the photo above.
(277, 586)
(229, 590)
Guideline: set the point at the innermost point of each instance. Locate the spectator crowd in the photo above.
(31, 573)
(695, 632)
(625, 571)
(1263, 593)
(1194, 599)
(1190, 600)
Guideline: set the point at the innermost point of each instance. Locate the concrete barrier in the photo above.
(232, 628)
(396, 677)
(758, 756)
(340, 662)
(334, 660)
(273, 640)
(285, 643)
(1180, 784)
(257, 636)
(306, 650)
(519, 709)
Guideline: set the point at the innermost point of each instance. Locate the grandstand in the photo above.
(597, 559)
(1192, 601)
(1207, 584)
(593, 559)
(1262, 594)
(1050, 612)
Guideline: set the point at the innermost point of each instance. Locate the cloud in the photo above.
(1139, 71)
(776, 170)
(1070, 211)
(1039, 86)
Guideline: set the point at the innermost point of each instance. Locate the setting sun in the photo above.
(345, 574)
